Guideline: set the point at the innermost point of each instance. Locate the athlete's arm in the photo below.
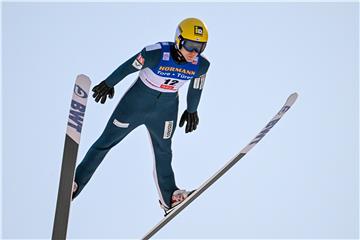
(147, 57)
(196, 85)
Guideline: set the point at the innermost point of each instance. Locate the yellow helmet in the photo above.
(192, 34)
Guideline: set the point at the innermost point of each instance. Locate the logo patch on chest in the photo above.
(166, 56)
(175, 72)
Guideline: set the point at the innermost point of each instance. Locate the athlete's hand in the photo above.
(102, 91)
(191, 119)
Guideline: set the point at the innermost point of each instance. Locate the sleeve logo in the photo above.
(199, 82)
(139, 62)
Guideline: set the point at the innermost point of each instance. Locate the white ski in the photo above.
(289, 102)
(72, 140)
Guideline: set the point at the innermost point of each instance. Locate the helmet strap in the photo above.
(177, 56)
(181, 39)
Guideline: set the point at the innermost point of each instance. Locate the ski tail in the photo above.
(72, 140)
(289, 102)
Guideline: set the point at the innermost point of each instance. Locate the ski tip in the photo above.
(292, 98)
(83, 77)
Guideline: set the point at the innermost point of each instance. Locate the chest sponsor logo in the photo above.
(175, 69)
(175, 72)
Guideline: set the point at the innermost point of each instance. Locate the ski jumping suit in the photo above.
(153, 101)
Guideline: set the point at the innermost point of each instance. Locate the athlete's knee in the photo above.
(163, 151)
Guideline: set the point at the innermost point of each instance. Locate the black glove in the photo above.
(192, 120)
(101, 91)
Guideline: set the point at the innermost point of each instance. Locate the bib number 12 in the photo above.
(170, 82)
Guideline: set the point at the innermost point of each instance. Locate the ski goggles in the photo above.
(190, 46)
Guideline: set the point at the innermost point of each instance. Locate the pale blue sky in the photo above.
(301, 181)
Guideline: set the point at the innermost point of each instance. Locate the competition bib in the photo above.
(168, 76)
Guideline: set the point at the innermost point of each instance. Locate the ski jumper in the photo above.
(151, 101)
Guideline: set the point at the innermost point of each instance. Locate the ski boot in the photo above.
(178, 197)
(74, 188)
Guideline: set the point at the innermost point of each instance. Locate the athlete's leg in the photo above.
(161, 127)
(126, 117)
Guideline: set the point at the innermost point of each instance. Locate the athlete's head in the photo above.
(191, 37)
